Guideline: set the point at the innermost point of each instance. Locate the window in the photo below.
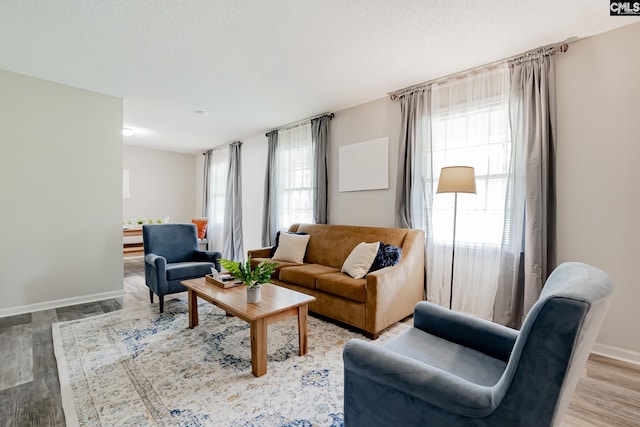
(218, 170)
(294, 176)
(466, 122)
(478, 136)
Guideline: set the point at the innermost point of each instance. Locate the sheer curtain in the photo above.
(469, 125)
(218, 169)
(294, 177)
(465, 121)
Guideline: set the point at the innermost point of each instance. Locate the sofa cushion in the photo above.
(281, 264)
(291, 248)
(305, 275)
(188, 270)
(342, 285)
(360, 259)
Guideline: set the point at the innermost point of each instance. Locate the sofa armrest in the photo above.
(368, 365)
(259, 253)
(487, 337)
(392, 292)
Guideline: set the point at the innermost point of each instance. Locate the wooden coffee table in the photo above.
(277, 303)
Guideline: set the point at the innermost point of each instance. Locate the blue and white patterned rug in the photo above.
(136, 367)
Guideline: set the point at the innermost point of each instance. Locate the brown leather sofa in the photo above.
(371, 304)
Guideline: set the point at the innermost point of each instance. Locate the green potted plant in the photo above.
(251, 278)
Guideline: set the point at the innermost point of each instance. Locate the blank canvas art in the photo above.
(364, 165)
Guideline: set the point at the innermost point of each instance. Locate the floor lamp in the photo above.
(456, 179)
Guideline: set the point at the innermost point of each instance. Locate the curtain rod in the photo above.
(220, 147)
(290, 125)
(540, 51)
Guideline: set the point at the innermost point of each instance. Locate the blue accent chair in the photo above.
(171, 255)
(452, 369)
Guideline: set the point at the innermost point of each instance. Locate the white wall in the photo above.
(598, 173)
(161, 185)
(61, 194)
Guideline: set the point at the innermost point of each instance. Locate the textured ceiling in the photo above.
(254, 65)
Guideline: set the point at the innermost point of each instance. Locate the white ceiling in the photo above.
(254, 65)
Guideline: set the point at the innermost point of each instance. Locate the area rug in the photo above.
(136, 367)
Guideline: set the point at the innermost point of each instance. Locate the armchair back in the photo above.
(175, 242)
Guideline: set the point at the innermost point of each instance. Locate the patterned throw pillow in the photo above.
(387, 256)
(201, 225)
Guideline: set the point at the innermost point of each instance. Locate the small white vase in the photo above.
(253, 295)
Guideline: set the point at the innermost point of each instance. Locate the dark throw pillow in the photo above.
(275, 247)
(387, 256)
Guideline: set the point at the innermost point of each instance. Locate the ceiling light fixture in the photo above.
(202, 113)
(127, 131)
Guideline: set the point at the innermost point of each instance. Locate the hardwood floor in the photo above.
(609, 395)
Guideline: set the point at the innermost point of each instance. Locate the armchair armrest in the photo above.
(259, 253)
(209, 256)
(157, 261)
(155, 272)
(487, 337)
(421, 381)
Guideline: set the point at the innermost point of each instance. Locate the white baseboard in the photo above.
(12, 311)
(616, 353)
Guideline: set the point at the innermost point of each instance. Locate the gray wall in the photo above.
(598, 173)
(61, 194)
(376, 119)
(161, 185)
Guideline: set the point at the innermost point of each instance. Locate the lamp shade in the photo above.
(457, 179)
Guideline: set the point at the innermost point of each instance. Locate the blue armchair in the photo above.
(453, 369)
(171, 255)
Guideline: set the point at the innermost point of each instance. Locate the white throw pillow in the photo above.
(291, 247)
(360, 259)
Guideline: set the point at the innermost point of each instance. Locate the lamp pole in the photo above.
(453, 248)
(456, 179)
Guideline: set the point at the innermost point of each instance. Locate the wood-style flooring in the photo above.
(609, 394)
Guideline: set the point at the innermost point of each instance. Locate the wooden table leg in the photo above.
(193, 308)
(302, 328)
(259, 347)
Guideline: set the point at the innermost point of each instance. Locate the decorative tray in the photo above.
(222, 283)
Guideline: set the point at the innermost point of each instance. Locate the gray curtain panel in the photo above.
(320, 136)
(525, 267)
(269, 227)
(411, 106)
(205, 183)
(233, 247)
(205, 189)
